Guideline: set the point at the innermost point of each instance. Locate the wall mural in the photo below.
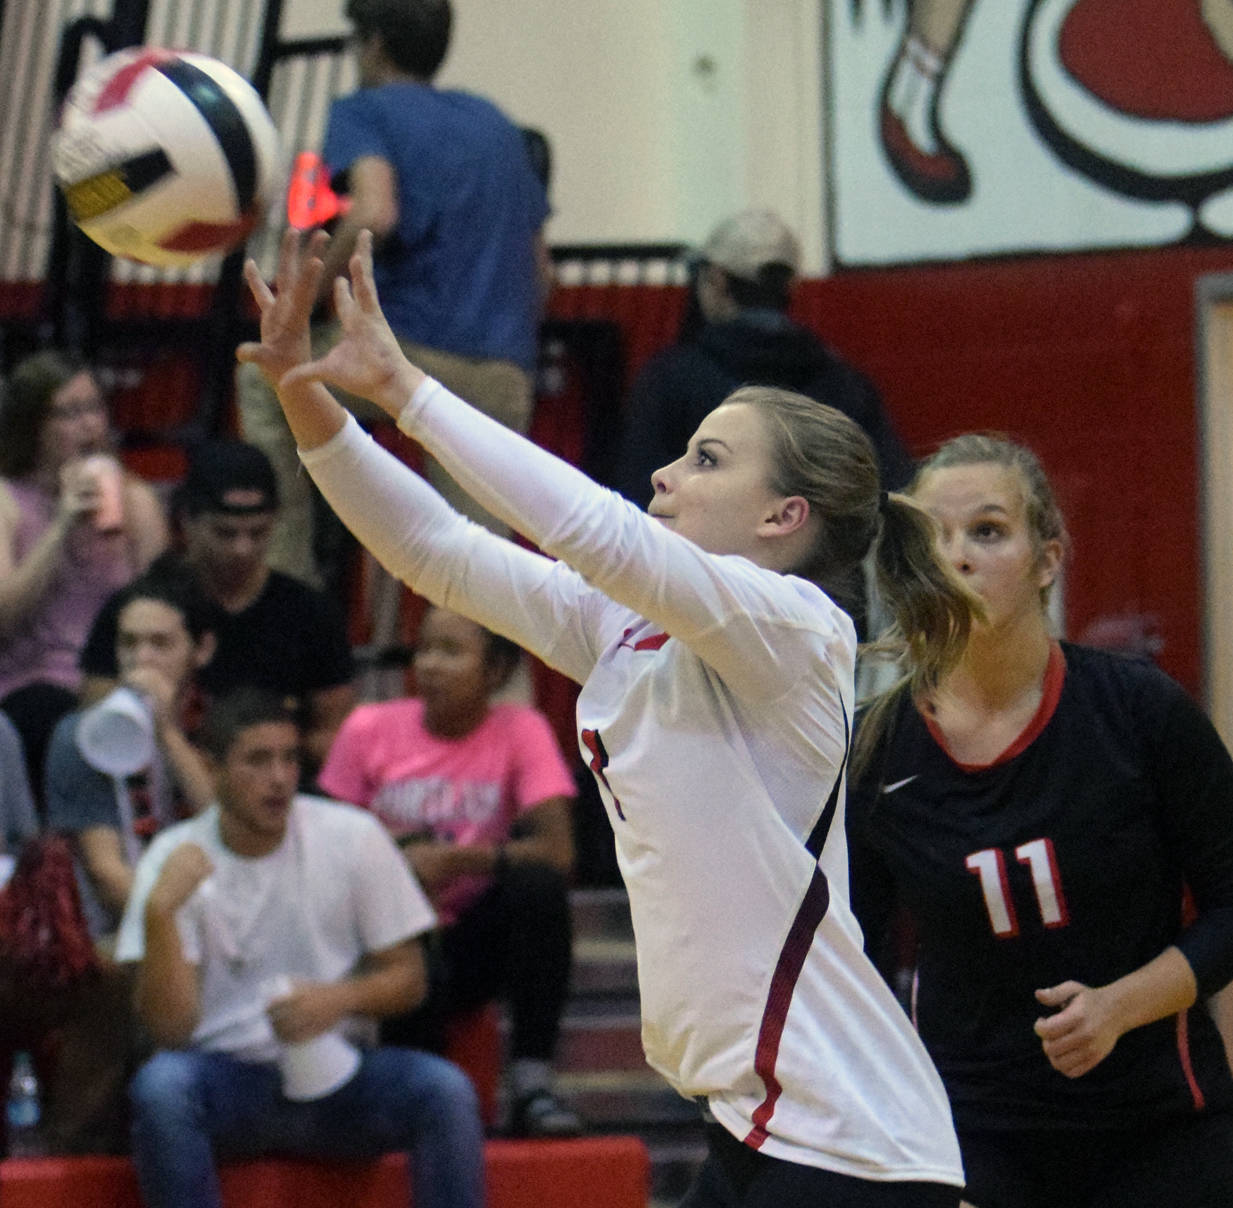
(960, 128)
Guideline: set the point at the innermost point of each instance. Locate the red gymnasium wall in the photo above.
(1090, 359)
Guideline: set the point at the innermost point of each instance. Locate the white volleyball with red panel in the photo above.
(165, 156)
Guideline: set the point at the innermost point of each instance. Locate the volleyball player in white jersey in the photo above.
(715, 712)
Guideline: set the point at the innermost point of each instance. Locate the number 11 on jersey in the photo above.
(990, 866)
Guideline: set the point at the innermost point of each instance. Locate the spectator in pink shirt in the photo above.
(478, 795)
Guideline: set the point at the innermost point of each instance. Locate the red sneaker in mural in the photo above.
(917, 151)
(940, 175)
(1157, 60)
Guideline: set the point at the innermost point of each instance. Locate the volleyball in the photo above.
(165, 156)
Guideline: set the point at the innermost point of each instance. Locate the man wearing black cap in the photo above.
(272, 631)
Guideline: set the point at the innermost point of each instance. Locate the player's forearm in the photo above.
(411, 530)
(441, 555)
(313, 414)
(1162, 987)
(527, 487)
(617, 548)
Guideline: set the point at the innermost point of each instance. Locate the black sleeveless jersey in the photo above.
(1067, 860)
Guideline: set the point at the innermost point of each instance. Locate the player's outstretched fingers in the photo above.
(361, 273)
(261, 292)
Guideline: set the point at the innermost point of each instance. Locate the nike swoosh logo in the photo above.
(890, 788)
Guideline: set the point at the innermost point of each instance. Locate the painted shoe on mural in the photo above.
(939, 175)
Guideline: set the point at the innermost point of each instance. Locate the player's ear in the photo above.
(787, 516)
(1049, 564)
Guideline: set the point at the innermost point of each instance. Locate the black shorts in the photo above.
(736, 1176)
(1177, 1164)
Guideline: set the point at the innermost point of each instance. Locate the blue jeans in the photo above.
(192, 1107)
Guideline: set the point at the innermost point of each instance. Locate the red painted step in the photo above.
(600, 1172)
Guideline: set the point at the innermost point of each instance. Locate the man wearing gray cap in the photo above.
(738, 333)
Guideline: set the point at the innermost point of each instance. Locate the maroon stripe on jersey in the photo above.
(1183, 1053)
(783, 985)
(655, 642)
(599, 760)
(822, 828)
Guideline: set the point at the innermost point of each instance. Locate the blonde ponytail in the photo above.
(932, 609)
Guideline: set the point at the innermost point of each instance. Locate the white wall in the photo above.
(663, 115)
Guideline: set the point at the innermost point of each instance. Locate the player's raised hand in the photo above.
(1083, 1031)
(367, 360)
(285, 309)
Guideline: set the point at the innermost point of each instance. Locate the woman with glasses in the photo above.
(74, 527)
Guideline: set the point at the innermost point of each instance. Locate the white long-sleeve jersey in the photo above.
(715, 714)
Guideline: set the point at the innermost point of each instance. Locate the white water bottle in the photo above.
(24, 1110)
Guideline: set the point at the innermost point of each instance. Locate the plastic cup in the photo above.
(313, 1068)
(116, 735)
(317, 1067)
(109, 477)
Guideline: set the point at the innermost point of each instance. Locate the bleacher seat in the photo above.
(473, 1041)
(600, 1172)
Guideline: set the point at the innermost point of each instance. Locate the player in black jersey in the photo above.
(1040, 813)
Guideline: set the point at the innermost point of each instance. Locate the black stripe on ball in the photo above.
(96, 195)
(224, 118)
(142, 171)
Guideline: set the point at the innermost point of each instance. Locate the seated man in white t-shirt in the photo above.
(271, 919)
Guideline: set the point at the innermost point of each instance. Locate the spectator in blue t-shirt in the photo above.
(444, 181)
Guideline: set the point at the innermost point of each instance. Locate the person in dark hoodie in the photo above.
(737, 333)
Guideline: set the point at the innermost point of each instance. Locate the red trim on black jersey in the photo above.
(1051, 693)
(783, 984)
(1183, 1053)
